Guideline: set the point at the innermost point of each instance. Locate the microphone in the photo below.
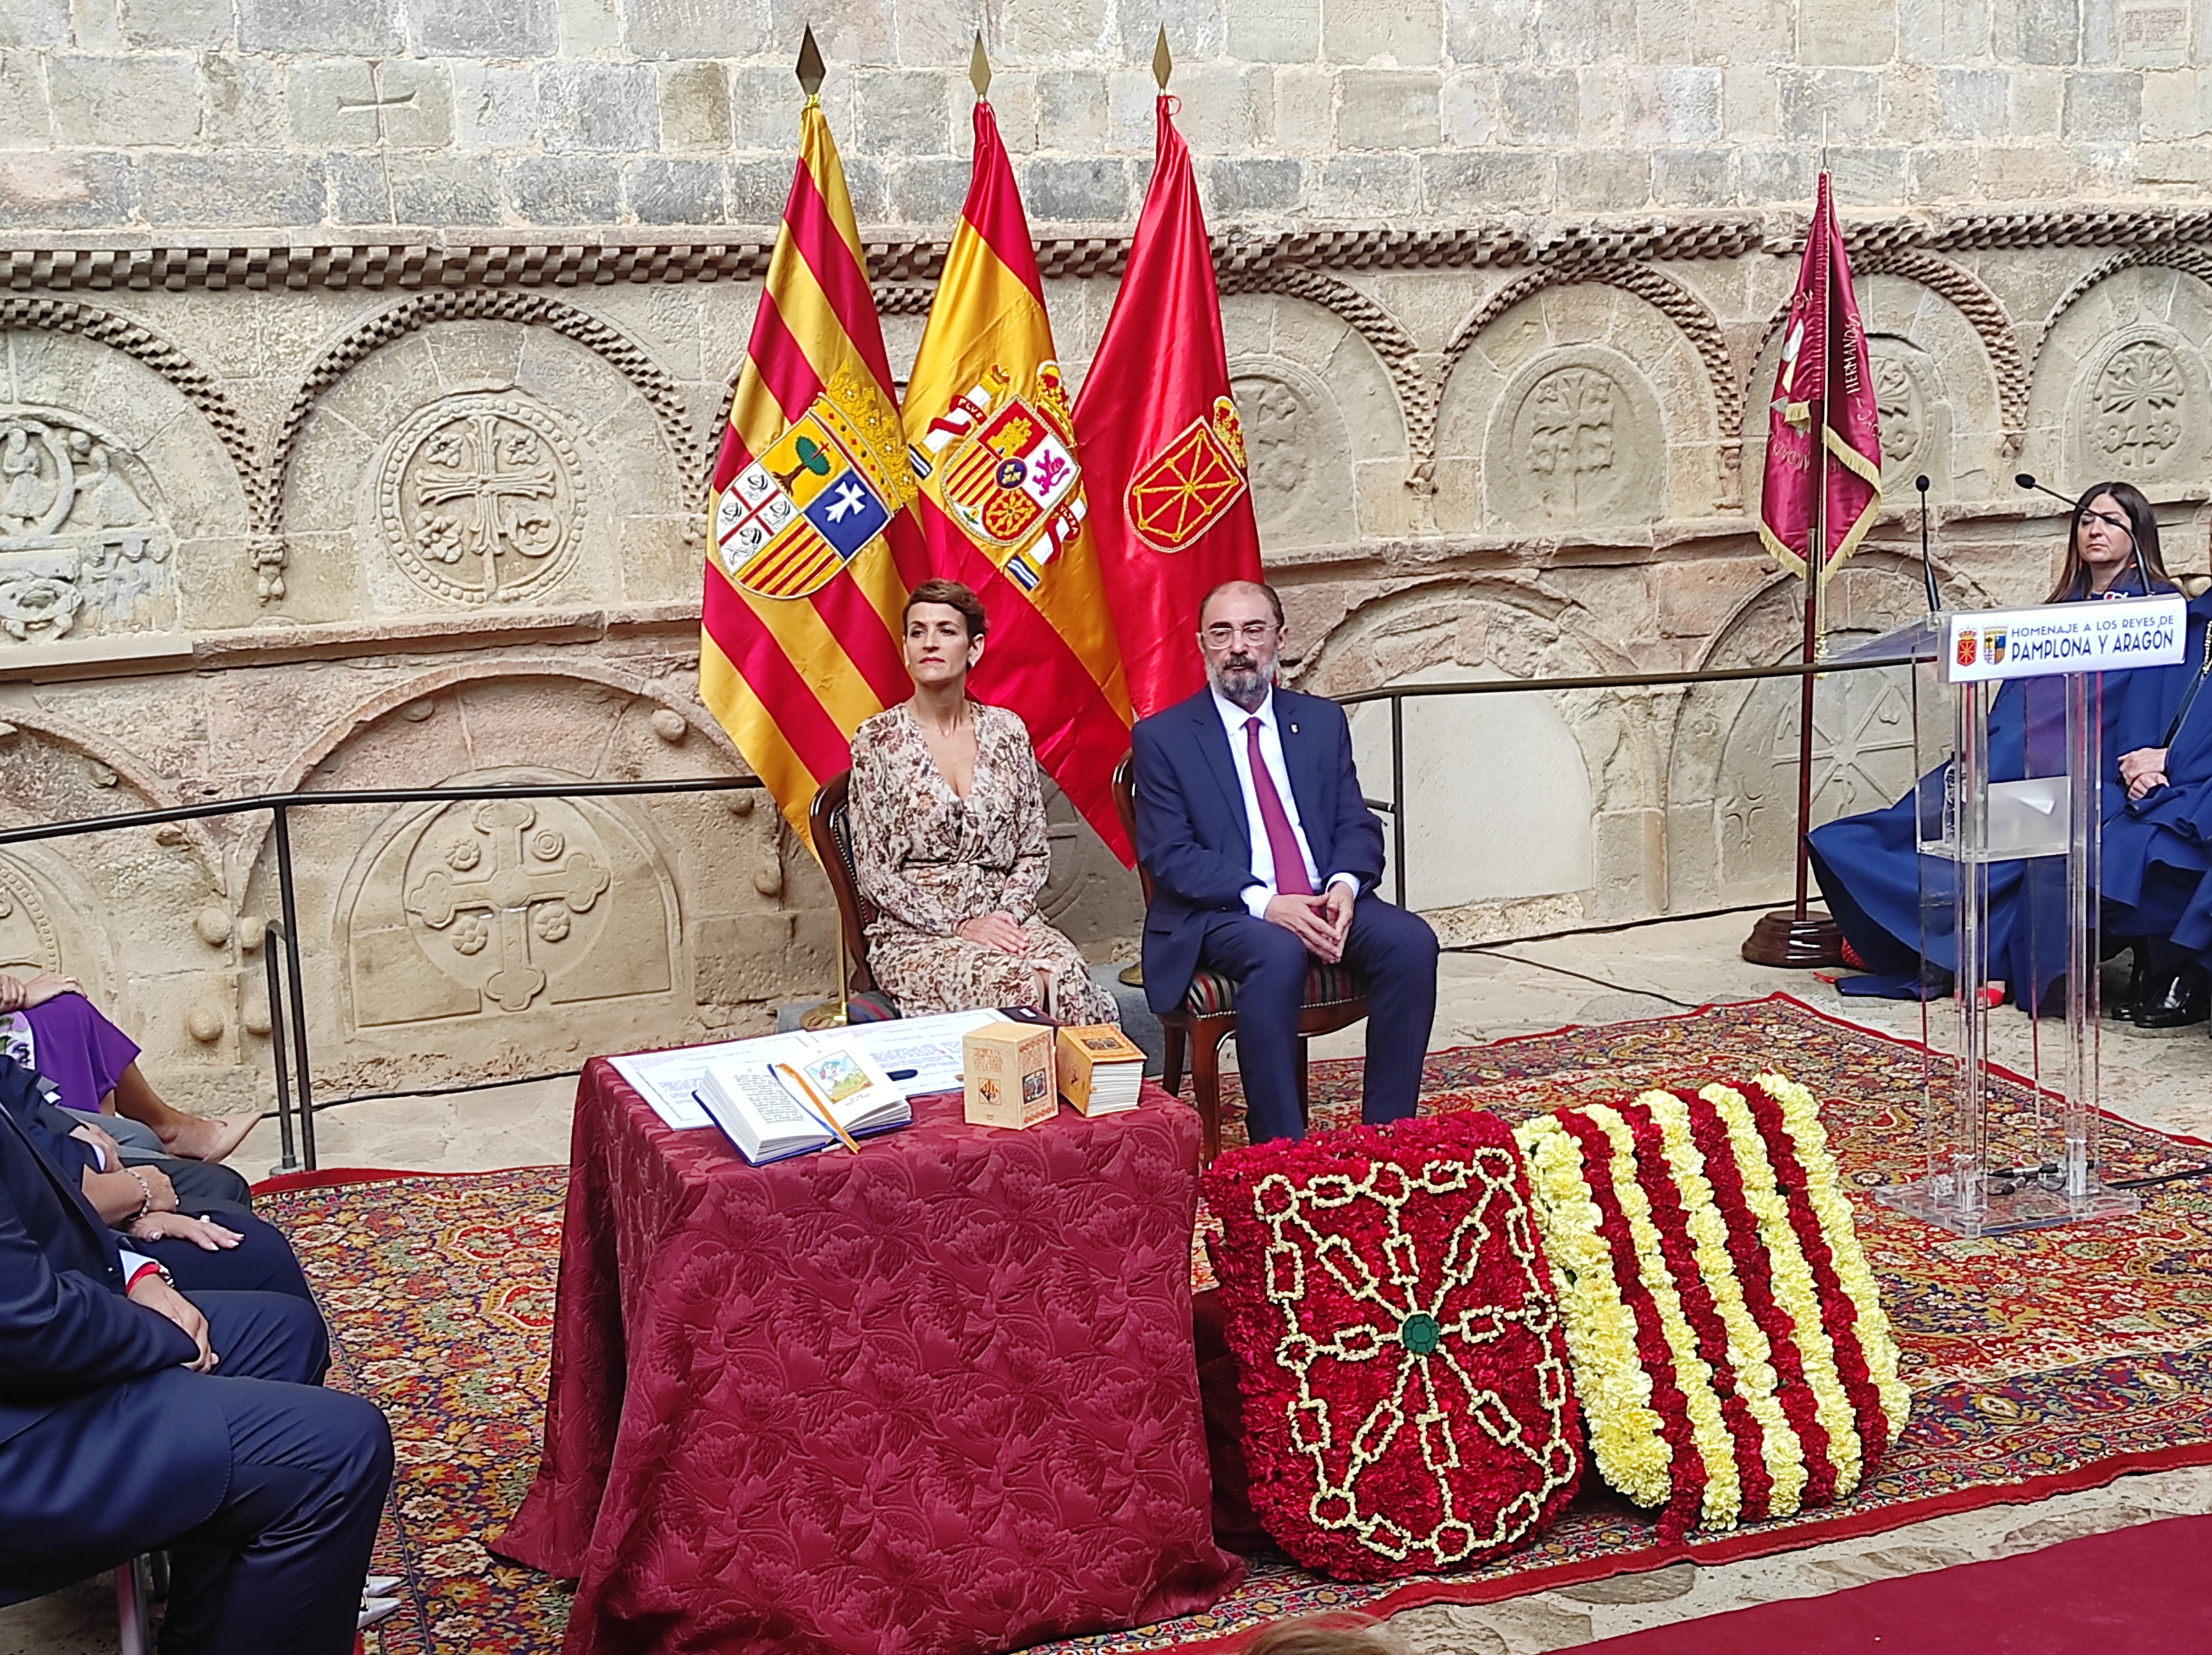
(2027, 480)
(1927, 568)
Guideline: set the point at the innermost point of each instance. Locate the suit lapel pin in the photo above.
(1294, 729)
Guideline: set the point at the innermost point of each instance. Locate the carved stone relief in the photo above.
(2121, 388)
(483, 498)
(81, 548)
(1576, 441)
(1298, 453)
(28, 942)
(2134, 409)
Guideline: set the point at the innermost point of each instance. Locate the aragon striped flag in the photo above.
(812, 547)
(1002, 503)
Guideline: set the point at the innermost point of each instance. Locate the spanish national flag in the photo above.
(1002, 499)
(813, 546)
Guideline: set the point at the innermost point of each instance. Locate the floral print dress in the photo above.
(930, 860)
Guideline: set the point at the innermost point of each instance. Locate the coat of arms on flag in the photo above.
(1182, 491)
(817, 497)
(1010, 473)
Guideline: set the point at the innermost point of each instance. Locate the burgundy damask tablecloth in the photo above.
(939, 1396)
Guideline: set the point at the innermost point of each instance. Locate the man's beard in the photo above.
(1241, 680)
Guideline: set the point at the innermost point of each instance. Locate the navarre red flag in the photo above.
(1003, 502)
(1162, 450)
(1823, 403)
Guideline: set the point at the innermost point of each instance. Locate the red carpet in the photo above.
(2143, 1591)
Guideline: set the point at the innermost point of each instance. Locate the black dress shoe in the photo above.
(2183, 999)
(2124, 1007)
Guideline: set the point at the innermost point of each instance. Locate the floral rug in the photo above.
(2039, 1362)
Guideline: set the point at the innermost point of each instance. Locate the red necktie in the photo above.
(1282, 843)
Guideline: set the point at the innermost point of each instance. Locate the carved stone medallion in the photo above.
(2137, 408)
(1577, 440)
(503, 896)
(29, 943)
(1898, 404)
(80, 540)
(483, 499)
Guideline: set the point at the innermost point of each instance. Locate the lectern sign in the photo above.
(1982, 645)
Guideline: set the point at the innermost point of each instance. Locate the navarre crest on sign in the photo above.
(821, 494)
(1008, 475)
(1969, 641)
(1182, 491)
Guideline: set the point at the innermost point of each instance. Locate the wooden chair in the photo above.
(1335, 998)
(829, 824)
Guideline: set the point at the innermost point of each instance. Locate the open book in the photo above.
(770, 1111)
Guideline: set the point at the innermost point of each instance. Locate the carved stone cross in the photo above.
(508, 891)
(478, 479)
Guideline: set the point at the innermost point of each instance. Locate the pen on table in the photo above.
(825, 1113)
(902, 1074)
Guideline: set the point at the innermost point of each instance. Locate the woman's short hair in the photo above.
(2142, 523)
(953, 596)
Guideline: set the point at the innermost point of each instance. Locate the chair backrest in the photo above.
(829, 824)
(1125, 806)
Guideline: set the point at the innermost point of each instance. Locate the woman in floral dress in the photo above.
(948, 838)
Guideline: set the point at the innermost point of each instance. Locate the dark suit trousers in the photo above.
(1395, 952)
(276, 1568)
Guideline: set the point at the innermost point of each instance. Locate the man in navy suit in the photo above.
(116, 1437)
(1263, 853)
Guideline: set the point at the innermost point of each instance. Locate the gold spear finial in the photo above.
(1163, 64)
(979, 68)
(811, 70)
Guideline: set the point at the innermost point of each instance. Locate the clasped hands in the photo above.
(2142, 770)
(995, 931)
(1321, 923)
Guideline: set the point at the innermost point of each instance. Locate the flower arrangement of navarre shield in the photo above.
(1401, 1357)
(1730, 1352)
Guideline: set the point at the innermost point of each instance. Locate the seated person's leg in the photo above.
(278, 1569)
(139, 1143)
(1268, 966)
(202, 1187)
(95, 1066)
(265, 1336)
(262, 1262)
(1395, 952)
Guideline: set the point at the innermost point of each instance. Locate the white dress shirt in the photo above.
(1263, 888)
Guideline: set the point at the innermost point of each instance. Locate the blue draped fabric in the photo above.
(1873, 878)
(2157, 849)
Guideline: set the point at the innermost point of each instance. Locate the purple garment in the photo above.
(78, 1050)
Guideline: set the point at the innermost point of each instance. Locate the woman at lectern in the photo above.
(1869, 864)
(948, 838)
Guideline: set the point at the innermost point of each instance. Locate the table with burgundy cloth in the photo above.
(937, 1397)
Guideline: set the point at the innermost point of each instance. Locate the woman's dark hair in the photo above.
(2074, 580)
(953, 596)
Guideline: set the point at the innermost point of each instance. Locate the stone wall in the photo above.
(294, 497)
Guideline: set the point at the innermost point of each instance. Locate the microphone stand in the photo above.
(2027, 480)
(1927, 568)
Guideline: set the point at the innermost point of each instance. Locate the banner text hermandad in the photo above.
(812, 545)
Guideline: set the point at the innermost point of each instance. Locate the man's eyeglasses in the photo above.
(1221, 634)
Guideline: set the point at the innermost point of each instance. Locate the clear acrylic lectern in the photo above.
(2025, 1158)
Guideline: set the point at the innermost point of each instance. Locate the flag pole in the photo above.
(1797, 937)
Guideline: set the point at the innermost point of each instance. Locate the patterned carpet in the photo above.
(2039, 1362)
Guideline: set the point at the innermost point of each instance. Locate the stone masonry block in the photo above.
(152, 25)
(238, 101)
(405, 103)
(1867, 173)
(1253, 184)
(23, 117)
(2046, 30)
(695, 104)
(1032, 30)
(1014, 103)
(1775, 175)
(758, 186)
(1973, 101)
(1468, 106)
(320, 26)
(869, 186)
(1846, 31)
(669, 191)
(359, 182)
(443, 190)
(1944, 31)
(81, 190)
(482, 28)
(563, 189)
(1603, 180)
(591, 28)
(2038, 98)
(2189, 164)
(1751, 102)
(1409, 33)
(241, 188)
(494, 108)
(1674, 106)
(1693, 178)
(1389, 109)
(586, 107)
(1281, 32)
(849, 32)
(1227, 108)
(2103, 105)
(1541, 106)
(903, 112)
(1577, 32)
(1368, 184)
(927, 190)
(144, 98)
(1130, 100)
(1695, 599)
(1839, 106)
(1910, 111)
(1194, 29)
(1305, 101)
(1080, 189)
(1071, 110)
(1946, 173)
(35, 23)
(1463, 183)
(693, 29)
(1490, 31)
(2154, 35)
(764, 107)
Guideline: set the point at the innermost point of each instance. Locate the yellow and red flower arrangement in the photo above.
(1729, 1345)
